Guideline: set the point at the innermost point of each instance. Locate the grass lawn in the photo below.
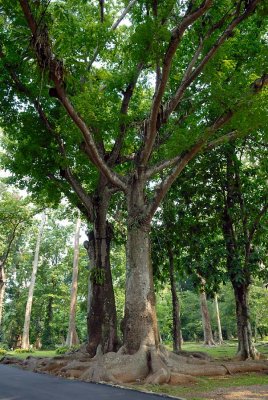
(206, 384)
(37, 353)
(227, 350)
(192, 391)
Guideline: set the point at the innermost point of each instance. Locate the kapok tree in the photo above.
(183, 72)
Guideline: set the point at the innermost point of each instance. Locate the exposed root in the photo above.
(149, 365)
(196, 354)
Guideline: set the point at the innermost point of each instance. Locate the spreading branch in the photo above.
(113, 28)
(190, 75)
(123, 112)
(47, 60)
(175, 40)
(66, 172)
(256, 222)
(4, 256)
(124, 13)
(183, 160)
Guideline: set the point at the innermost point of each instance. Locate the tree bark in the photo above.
(177, 336)
(26, 329)
(208, 336)
(47, 336)
(218, 319)
(72, 337)
(238, 269)
(2, 291)
(246, 348)
(102, 320)
(140, 321)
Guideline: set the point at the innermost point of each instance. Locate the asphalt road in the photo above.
(17, 384)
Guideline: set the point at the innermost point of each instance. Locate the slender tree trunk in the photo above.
(208, 336)
(260, 333)
(102, 321)
(246, 348)
(237, 270)
(140, 321)
(26, 329)
(218, 318)
(47, 337)
(177, 336)
(72, 337)
(2, 291)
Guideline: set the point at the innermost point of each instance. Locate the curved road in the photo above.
(17, 384)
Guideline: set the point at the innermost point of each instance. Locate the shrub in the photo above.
(2, 352)
(62, 350)
(20, 351)
(4, 346)
(66, 349)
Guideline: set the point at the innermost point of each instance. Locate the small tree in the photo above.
(26, 329)
(72, 337)
(14, 216)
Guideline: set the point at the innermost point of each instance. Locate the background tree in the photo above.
(72, 337)
(14, 216)
(27, 319)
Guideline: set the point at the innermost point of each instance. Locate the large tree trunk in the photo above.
(72, 337)
(218, 319)
(246, 348)
(140, 321)
(2, 291)
(208, 336)
(177, 336)
(102, 321)
(26, 329)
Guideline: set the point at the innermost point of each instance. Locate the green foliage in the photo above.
(4, 346)
(66, 349)
(22, 351)
(62, 350)
(97, 275)
(2, 351)
(190, 222)
(50, 311)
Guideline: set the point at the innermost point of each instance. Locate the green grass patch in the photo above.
(37, 353)
(205, 384)
(226, 350)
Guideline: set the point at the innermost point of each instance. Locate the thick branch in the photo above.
(256, 223)
(75, 184)
(48, 61)
(71, 196)
(79, 190)
(123, 112)
(223, 139)
(183, 160)
(190, 77)
(11, 238)
(176, 37)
